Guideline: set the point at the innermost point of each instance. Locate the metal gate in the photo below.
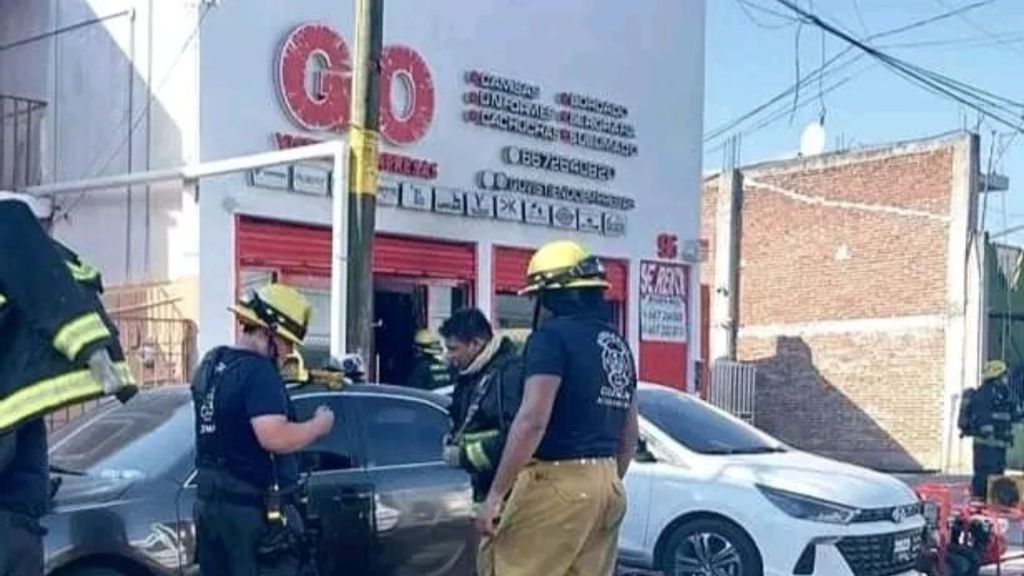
(734, 388)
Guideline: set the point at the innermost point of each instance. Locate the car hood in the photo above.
(821, 478)
(83, 490)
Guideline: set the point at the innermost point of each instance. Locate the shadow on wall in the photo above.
(107, 113)
(798, 405)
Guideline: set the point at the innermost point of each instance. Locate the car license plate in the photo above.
(901, 547)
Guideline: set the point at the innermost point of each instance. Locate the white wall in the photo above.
(98, 80)
(647, 56)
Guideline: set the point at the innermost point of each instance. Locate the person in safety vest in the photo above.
(58, 347)
(989, 414)
(486, 396)
(558, 490)
(246, 515)
(430, 370)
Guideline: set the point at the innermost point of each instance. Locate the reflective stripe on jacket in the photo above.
(51, 322)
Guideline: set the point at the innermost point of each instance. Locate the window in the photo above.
(139, 439)
(333, 452)
(402, 431)
(514, 311)
(700, 427)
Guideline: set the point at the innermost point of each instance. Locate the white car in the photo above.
(710, 495)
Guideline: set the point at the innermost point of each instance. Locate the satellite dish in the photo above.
(812, 141)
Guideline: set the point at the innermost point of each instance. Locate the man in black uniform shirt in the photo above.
(574, 436)
(246, 438)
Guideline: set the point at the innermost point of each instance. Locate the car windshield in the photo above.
(700, 427)
(141, 439)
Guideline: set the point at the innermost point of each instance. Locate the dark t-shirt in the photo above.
(598, 383)
(247, 385)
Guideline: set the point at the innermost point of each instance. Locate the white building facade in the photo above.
(503, 126)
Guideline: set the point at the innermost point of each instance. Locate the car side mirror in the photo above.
(643, 453)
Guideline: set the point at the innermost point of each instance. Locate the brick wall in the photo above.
(828, 241)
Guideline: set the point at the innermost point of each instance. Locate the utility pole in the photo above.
(728, 238)
(362, 197)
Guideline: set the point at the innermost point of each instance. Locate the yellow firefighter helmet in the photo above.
(427, 341)
(993, 369)
(563, 265)
(279, 308)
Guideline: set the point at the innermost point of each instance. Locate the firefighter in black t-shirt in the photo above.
(559, 487)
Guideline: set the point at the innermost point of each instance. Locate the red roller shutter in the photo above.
(510, 266)
(305, 249)
(282, 245)
(405, 256)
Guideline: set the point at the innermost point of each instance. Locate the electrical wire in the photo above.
(983, 30)
(929, 80)
(67, 207)
(746, 5)
(727, 127)
(63, 30)
(860, 17)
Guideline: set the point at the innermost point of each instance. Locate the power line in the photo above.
(67, 208)
(823, 70)
(982, 29)
(746, 5)
(63, 30)
(930, 80)
(860, 17)
(969, 41)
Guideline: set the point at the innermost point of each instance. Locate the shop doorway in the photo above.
(402, 307)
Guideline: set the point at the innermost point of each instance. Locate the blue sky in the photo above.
(750, 62)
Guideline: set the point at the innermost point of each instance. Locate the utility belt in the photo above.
(219, 485)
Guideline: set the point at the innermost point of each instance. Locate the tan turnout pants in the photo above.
(562, 519)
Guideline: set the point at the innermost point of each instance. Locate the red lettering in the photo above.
(327, 108)
(402, 61)
(668, 246)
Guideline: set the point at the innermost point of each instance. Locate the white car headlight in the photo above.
(808, 508)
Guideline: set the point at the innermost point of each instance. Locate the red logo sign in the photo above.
(326, 107)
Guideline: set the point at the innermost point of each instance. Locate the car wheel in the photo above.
(709, 547)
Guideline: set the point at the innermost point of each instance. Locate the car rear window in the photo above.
(142, 438)
(700, 427)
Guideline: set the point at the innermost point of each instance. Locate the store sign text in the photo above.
(663, 302)
(326, 108)
(387, 161)
(517, 156)
(511, 105)
(591, 104)
(502, 182)
(514, 124)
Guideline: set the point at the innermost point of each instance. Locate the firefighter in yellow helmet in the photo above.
(557, 500)
(988, 414)
(246, 438)
(430, 370)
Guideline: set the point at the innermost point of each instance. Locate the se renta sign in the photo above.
(664, 305)
(325, 107)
